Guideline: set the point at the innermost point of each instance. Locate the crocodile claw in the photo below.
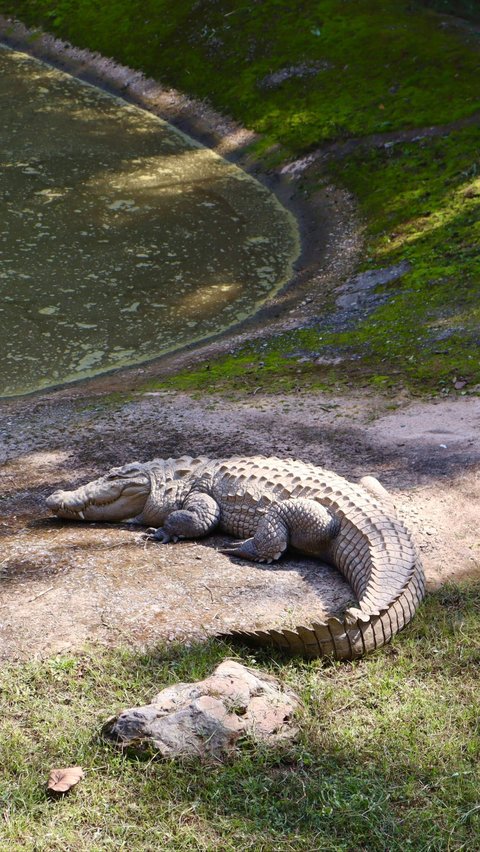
(244, 550)
(154, 534)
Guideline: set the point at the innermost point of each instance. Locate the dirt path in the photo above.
(64, 584)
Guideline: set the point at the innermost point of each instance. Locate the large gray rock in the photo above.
(208, 717)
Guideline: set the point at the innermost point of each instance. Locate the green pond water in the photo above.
(120, 237)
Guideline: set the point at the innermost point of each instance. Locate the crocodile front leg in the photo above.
(199, 515)
(300, 523)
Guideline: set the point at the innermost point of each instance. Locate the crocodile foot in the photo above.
(159, 535)
(248, 550)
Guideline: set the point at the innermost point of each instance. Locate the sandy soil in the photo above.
(63, 584)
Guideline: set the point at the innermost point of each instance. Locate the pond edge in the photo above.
(330, 233)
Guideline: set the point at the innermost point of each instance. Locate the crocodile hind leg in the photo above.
(377, 490)
(374, 487)
(198, 516)
(304, 524)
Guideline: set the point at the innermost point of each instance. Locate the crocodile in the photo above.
(273, 504)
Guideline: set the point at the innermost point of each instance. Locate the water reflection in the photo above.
(120, 237)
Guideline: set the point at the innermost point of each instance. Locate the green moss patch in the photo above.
(421, 204)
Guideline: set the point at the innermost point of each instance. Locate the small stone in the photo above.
(206, 718)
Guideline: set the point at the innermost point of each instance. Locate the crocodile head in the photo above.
(119, 495)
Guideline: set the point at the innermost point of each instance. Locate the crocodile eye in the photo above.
(126, 472)
(132, 468)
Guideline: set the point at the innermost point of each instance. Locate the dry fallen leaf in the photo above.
(61, 780)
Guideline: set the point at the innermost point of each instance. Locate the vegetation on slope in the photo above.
(365, 67)
(421, 201)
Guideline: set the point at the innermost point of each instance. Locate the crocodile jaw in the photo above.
(118, 496)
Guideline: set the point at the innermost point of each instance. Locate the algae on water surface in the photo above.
(122, 237)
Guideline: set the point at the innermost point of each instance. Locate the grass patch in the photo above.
(387, 758)
(271, 367)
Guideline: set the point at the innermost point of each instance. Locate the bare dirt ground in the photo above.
(63, 584)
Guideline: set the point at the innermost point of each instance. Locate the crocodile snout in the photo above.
(65, 500)
(53, 502)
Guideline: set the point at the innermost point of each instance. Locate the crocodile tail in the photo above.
(345, 639)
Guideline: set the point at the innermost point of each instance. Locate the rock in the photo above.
(206, 718)
(357, 290)
(304, 69)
